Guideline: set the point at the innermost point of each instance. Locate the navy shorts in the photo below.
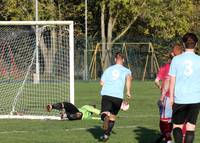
(111, 104)
(185, 113)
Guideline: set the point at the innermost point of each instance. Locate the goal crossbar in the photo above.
(36, 22)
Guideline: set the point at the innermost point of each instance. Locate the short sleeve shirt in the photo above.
(114, 80)
(186, 69)
(163, 75)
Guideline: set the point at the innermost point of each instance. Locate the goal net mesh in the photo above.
(23, 91)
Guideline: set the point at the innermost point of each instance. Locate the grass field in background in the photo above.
(137, 125)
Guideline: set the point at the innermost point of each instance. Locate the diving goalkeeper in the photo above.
(71, 112)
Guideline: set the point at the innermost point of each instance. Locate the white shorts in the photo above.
(166, 110)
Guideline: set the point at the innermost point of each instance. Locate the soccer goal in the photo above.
(36, 67)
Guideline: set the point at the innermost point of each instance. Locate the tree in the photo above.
(111, 20)
(25, 10)
(166, 18)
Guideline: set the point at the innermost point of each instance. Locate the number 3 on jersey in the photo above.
(188, 68)
(115, 74)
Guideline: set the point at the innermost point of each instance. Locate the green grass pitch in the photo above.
(137, 125)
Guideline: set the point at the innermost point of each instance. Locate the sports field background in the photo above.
(137, 125)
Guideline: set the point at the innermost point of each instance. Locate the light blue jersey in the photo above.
(186, 69)
(114, 81)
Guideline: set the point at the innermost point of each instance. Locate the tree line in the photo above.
(110, 21)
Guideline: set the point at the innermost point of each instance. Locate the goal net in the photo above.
(36, 67)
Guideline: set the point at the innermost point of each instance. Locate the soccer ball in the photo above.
(124, 106)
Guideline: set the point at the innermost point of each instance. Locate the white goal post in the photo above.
(36, 67)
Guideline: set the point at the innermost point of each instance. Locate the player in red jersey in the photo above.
(163, 102)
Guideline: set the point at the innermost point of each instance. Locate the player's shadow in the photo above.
(145, 135)
(97, 131)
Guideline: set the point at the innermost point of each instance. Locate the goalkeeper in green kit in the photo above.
(71, 112)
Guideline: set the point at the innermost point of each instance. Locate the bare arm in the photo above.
(171, 89)
(101, 82)
(165, 89)
(128, 85)
(157, 83)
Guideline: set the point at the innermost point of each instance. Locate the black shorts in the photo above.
(111, 104)
(185, 113)
(70, 108)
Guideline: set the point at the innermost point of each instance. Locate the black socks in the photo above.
(178, 136)
(189, 137)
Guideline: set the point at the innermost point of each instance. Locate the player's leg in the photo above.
(106, 106)
(70, 108)
(91, 108)
(184, 132)
(166, 129)
(192, 116)
(110, 117)
(189, 135)
(165, 121)
(161, 124)
(74, 116)
(177, 133)
(57, 106)
(115, 109)
(178, 119)
(72, 112)
(110, 124)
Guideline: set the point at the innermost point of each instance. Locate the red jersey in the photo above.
(163, 75)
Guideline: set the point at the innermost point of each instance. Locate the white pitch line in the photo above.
(74, 129)
(138, 116)
(67, 130)
(8, 132)
(82, 129)
(117, 127)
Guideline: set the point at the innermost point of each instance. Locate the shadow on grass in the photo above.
(145, 135)
(96, 132)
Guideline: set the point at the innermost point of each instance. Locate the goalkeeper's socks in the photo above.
(178, 136)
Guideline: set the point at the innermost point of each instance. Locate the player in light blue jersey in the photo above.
(185, 90)
(113, 82)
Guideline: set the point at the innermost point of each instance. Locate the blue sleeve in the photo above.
(103, 77)
(129, 72)
(172, 70)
